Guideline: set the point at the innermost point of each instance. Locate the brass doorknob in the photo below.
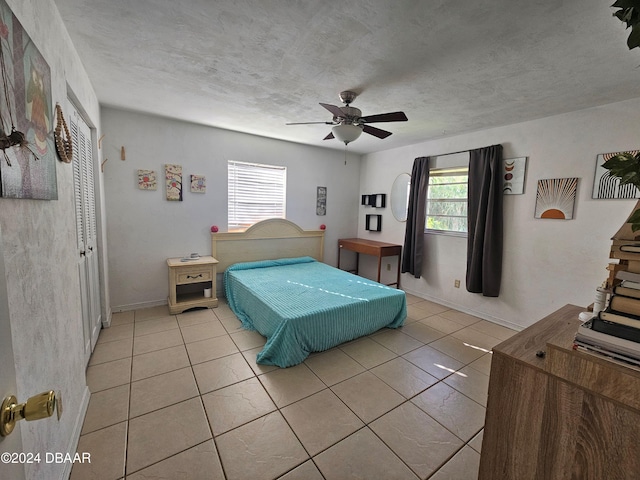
(37, 407)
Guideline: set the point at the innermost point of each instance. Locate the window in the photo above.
(447, 200)
(256, 192)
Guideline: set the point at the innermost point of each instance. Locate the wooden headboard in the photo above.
(267, 240)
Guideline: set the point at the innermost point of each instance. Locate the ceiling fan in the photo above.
(349, 122)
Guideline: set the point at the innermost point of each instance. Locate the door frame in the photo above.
(8, 385)
(89, 246)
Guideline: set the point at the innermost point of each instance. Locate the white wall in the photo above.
(39, 242)
(144, 229)
(547, 263)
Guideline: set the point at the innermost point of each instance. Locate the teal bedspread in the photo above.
(301, 306)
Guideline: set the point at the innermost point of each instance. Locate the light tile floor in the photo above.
(181, 397)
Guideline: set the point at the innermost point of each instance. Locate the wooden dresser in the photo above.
(565, 415)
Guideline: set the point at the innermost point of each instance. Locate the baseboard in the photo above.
(136, 306)
(75, 434)
(462, 308)
(106, 323)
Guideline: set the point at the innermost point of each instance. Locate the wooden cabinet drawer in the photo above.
(194, 275)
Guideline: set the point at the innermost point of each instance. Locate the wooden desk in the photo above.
(371, 247)
(566, 415)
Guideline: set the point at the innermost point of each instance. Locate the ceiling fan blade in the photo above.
(309, 123)
(376, 132)
(385, 117)
(329, 137)
(333, 109)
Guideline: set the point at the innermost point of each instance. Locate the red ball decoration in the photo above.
(323, 227)
(214, 228)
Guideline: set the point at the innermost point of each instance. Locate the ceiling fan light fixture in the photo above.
(346, 133)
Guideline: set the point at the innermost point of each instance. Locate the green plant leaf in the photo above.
(619, 166)
(622, 158)
(626, 167)
(626, 4)
(627, 15)
(634, 220)
(634, 38)
(629, 177)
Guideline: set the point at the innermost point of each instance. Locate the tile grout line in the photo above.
(257, 375)
(126, 444)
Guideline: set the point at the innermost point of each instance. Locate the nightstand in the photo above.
(188, 281)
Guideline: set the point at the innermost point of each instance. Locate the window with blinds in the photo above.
(256, 192)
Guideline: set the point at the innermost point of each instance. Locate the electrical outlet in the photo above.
(456, 283)
(388, 267)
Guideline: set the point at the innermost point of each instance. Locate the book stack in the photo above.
(615, 330)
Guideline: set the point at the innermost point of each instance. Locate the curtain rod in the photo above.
(452, 153)
(461, 151)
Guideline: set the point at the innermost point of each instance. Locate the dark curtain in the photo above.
(484, 241)
(414, 232)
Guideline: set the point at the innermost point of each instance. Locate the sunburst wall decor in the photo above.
(556, 198)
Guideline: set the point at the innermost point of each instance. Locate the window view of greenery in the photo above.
(447, 200)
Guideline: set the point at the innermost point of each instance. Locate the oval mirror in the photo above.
(400, 196)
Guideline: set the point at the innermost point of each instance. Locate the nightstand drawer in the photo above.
(194, 275)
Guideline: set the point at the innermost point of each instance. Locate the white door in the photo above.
(11, 444)
(84, 192)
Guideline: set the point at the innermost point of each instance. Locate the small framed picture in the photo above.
(321, 201)
(198, 184)
(147, 180)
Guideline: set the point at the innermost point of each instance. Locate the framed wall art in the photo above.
(147, 180)
(321, 201)
(198, 184)
(173, 177)
(606, 186)
(28, 161)
(513, 175)
(556, 198)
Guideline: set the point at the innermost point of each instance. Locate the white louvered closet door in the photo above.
(84, 194)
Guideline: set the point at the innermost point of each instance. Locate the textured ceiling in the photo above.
(452, 66)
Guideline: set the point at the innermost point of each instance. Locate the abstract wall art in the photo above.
(513, 175)
(606, 186)
(147, 180)
(27, 170)
(173, 176)
(198, 184)
(556, 198)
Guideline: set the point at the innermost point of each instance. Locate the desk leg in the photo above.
(398, 280)
(379, 267)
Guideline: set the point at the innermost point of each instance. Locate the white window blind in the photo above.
(256, 192)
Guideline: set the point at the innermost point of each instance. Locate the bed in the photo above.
(298, 303)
